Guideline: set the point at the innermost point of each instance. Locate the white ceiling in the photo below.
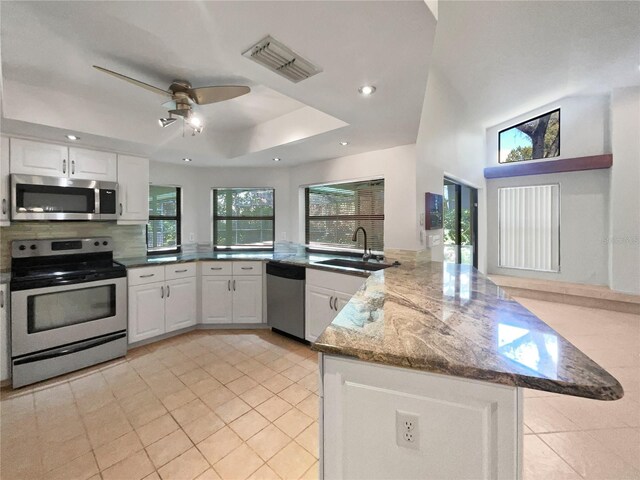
(49, 87)
(505, 58)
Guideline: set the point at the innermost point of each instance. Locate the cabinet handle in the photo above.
(148, 275)
(247, 268)
(161, 291)
(331, 303)
(182, 271)
(121, 209)
(229, 285)
(1, 298)
(64, 165)
(168, 291)
(335, 304)
(4, 206)
(216, 268)
(234, 285)
(73, 167)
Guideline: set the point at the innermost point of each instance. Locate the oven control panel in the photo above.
(60, 246)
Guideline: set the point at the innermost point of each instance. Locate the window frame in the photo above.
(347, 252)
(215, 217)
(550, 112)
(177, 218)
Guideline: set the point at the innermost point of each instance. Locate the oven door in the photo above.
(53, 198)
(43, 318)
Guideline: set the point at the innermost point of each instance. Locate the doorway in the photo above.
(460, 223)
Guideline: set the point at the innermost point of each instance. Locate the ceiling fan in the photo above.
(183, 96)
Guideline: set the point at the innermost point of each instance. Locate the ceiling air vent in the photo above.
(279, 58)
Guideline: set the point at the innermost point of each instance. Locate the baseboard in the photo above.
(199, 326)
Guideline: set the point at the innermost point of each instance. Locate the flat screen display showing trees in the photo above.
(534, 139)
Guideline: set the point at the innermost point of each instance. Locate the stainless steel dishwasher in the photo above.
(285, 298)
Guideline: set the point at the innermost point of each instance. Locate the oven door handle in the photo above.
(70, 349)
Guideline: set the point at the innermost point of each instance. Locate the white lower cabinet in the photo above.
(230, 298)
(326, 293)
(158, 306)
(146, 311)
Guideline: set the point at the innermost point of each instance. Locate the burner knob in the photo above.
(105, 243)
(33, 247)
(96, 243)
(22, 247)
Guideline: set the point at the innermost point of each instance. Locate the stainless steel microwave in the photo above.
(54, 198)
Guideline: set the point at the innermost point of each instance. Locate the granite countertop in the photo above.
(304, 259)
(450, 319)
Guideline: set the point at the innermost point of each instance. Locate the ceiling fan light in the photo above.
(165, 122)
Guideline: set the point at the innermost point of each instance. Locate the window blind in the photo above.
(530, 227)
(163, 229)
(243, 218)
(334, 212)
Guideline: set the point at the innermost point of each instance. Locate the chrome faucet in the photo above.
(367, 255)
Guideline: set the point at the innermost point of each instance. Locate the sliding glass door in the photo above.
(460, 229)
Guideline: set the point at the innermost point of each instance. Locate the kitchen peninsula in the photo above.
(423, 375)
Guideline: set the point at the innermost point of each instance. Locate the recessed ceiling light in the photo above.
(276, 159)
(186, 159)
(344, 144)
(367, 90)
(72, 137)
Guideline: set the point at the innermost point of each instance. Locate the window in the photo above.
(163, 229)
(529, 228)
(531, 140)
(243, 218)
(334, 212)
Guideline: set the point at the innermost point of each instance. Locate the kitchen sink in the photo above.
(341, 262)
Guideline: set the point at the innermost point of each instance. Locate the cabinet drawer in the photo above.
(140, 276)
(216, 268)
(247, 268)
(338, 282)
(179, 270)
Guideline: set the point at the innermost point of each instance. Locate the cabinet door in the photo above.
(133, 190)
(4, 182)
(36, 158)
(92, 165)
(319, 311)
(343, 299)
(247, 299)
(5, 350)
(146, 311)
(180, 304)
(217, 300)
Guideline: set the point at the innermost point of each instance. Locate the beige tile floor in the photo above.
(243, 404)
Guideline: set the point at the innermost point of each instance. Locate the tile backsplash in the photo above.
(128, 240)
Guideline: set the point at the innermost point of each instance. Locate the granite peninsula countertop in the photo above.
(450, 319)
(302, 259)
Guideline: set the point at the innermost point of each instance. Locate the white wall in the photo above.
(197, 182)
(624, 234)
(398, 168)
(584, 127)
(448, 145)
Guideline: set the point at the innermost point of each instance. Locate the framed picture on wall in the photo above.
(433, 211)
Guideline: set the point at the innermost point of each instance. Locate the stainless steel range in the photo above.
(69, 306)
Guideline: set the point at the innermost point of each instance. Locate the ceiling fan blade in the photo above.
(146, 86)
(205, 95)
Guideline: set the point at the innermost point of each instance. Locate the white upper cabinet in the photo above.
(37, 158)
(92, 165)
(133, 190)
(4, 182)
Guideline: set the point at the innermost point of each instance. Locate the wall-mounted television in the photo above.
(433, 211)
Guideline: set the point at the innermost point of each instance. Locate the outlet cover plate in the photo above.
(407, 430)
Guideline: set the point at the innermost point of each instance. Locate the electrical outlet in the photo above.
(407, 430)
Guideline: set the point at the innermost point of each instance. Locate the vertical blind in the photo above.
(334, 212)
(530, 227)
